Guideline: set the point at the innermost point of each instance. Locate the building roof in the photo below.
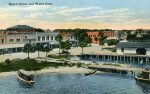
(21, 27)
(133, 45)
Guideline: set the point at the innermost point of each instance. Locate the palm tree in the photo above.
(38, 48)
(47, 49)
(82, 45)
(67, 46)
(28, 48)
(59, 39)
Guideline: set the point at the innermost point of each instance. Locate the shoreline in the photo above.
(62, 70)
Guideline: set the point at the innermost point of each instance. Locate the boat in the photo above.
(25, 77)
(89, 73)
(143, 77)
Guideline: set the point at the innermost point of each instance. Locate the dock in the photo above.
(122, 69)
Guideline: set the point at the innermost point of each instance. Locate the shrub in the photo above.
(79, 64)
(7, 61)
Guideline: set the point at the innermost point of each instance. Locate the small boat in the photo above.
(25, 77)
(144, 76)
(89, 73)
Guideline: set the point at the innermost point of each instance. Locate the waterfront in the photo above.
(107, 83)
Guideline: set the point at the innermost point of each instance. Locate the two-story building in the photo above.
(71, 38)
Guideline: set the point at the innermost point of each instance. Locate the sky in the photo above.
(71, 14)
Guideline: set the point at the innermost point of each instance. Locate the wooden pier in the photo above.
(116, 57)
(115, 69)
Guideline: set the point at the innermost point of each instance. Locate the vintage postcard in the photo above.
(74, 47)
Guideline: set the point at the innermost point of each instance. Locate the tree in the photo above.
(38, 47)
(28, 48)
(100, 34)
(110, 42)
(39, 30)
(67, 46)
(115, 42)
(96, 39)
(62, 45)
(82, 45)
(59, 39)
(88, 40)
(80, 34)
(47, 49)
(102, 44)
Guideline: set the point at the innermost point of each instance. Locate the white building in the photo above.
(135, 45)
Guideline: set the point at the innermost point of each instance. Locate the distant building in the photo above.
(20, 29)
(47, 39)
(2, 37)
(70, 37)
(14, 38)
(135, 45)
(109, 34)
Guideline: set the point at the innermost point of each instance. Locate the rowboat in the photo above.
(25, 77)
(143, 77)
(89, 73)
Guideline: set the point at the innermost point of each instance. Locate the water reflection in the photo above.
(23, 84)
(144, 87)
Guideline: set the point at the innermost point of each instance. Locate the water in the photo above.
(132, 63)
(109, 83)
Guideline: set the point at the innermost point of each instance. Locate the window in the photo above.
(39, 38)
(2, 41)
(25, 37)
(43, 38)
(94, 36)
(51, 37)
(47, 38)
(122, 49)
(17, 40)
(11, 40)
(71, 37)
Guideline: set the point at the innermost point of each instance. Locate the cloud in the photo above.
(69, 11)
(34, 15)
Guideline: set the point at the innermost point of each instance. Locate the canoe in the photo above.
(86, 74)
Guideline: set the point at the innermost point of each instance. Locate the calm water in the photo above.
(132, 63)
(109, 83)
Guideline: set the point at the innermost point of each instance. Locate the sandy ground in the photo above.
(68, 70)
(73, 51)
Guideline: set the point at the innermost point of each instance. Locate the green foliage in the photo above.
(112, 42)
(79, 64)
(128, 32)
(67, 45)
(112, 64)
(96, 39)
(47, 49)
(82, 45)
(59, 38)
(101, 43)
(39, 30)
(114, 50)
(80, 34)
(115, 42)
(62, 56)
(38, 47)
(28, 48)
(88, 40)
(7, 61)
